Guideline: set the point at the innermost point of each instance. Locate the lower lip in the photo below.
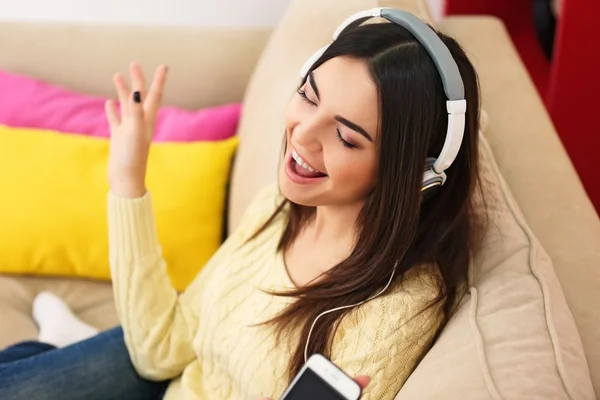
(299, 179)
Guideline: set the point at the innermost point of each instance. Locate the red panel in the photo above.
(504, 9)
(570, 85)
(517, 16)
(574, 92)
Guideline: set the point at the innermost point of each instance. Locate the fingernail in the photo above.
(137, 97)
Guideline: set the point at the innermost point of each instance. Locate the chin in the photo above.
(293, 193)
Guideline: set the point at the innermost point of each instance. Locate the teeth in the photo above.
(300, 161)
(307, 167)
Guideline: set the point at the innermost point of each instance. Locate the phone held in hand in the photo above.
(320, 379)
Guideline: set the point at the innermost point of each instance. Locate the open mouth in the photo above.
(300, 171)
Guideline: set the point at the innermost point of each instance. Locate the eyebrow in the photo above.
(353, 126)
(349, 124)
(311, 80)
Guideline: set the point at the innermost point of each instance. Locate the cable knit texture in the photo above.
(209, 340)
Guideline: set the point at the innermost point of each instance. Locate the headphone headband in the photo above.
(445, 64)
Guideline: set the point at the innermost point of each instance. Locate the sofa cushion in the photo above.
(53, 203)
(306, 26)
(513, 336)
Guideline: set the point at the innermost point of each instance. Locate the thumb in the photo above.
(111, 115)
(362, 380)
(135, 105)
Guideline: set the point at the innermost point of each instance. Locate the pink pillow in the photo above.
(29, 103)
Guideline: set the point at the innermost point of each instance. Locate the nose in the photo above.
(309, 134)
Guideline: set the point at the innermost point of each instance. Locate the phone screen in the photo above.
(312, 386)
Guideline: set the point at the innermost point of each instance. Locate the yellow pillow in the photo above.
(53, 192)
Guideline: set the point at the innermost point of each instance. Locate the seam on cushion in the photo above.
(533, 245)
(487, 376)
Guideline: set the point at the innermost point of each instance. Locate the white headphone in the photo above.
(434, 176)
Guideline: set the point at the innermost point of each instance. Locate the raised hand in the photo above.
(132, 131)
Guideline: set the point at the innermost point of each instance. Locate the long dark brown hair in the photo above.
(395, 223)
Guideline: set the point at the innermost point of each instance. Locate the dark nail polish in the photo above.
(137, 97)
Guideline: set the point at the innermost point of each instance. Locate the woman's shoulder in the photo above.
(264, 203)
(415, 293)
(407, 311)
(421, 282)
(267, 198)
(260, 209)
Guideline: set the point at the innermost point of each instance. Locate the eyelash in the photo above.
(305, 98)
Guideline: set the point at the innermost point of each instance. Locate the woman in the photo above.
(346, 224)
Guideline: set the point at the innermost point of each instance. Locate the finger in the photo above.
(135, 106)
(154, 98)
(123, 93)
(138, 82)
(111, 115)
(362, 380)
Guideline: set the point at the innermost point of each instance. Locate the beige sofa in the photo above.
(214, 65)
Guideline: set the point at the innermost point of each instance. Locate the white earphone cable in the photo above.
(344, 307)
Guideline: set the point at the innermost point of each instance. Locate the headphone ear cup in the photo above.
(432, 181)
(430, 192)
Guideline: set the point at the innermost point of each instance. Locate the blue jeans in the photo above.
(98, 368)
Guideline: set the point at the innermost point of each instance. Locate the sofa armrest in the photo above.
(538, 171)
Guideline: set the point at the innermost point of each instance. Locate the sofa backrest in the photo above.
(208, 65)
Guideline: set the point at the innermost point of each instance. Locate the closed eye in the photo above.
(343, 141)
(304, 97)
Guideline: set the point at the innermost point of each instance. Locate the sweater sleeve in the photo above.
(158, 323)
(386, 337)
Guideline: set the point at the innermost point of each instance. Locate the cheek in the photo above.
(351, 170)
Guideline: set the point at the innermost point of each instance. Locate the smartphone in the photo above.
(320, 379)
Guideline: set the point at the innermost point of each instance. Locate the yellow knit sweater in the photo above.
(207, 338)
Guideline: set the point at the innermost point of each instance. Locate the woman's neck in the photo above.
(334, 224)
(325, 241)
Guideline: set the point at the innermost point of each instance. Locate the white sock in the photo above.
(58, 325)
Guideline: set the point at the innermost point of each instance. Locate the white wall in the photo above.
(260, 13)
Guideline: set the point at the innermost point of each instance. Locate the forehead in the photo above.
(346, 89)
